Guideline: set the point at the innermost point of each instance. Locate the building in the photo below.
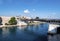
(5, 19)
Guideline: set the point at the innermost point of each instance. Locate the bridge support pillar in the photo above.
(52, 28)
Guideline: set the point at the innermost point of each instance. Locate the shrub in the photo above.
(6, 24)
(0, 21)
(37, 18)
(12, 21)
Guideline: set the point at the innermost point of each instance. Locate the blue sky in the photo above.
(31, 8)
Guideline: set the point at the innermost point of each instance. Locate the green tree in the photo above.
(12, 21)
(37, 18)
(0, 21)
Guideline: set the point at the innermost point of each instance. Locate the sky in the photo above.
(30, 8)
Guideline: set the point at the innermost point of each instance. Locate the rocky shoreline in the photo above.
(1, 26)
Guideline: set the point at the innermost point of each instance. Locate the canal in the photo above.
(25, 33)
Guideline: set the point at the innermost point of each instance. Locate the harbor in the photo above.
(34, 32)
(26, 33)
(29, 20)
(53, 24)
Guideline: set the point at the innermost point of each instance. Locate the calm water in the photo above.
(26, 33)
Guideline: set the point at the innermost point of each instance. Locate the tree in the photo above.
(12, 21)
(37, 18)
(0, 21)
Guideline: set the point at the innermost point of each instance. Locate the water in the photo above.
(26, 33)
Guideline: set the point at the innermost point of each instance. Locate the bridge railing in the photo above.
(43, 20)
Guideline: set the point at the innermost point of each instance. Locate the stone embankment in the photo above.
(1, 26)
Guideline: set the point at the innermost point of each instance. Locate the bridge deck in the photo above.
(54, 21)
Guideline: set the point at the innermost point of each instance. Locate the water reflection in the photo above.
(13, 30)
(39, 29)
(0, 33)
(54, 37)
(0, 30)
(27, 33)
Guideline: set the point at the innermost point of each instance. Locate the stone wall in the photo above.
(5, 19)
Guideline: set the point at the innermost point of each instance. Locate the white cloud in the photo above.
(26, 11)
